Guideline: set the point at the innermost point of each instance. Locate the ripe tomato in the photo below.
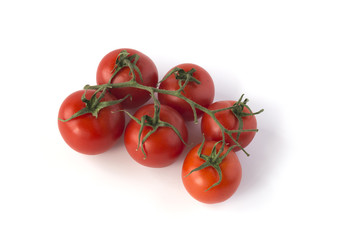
(228, 119)
(148, 71)
(162, 147)
(202, 93)
(199, 181)
(88, 134)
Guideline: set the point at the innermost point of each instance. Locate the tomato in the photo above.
(162, 147)
(148, 71)
(202, 93)
(199, 181)
(88, 134)
(227, 118)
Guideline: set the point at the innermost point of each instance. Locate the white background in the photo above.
(288, 57)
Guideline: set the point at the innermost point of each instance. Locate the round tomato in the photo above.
(148, 71)
(86, 133)
(227, 118)
(163, 146)
(202, 93)
(198, 183)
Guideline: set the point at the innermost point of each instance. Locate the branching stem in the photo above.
(124, 60)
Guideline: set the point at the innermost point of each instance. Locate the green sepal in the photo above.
(202, 166)
(94, 105)
(181, 75)
(166, 124)
(219, 171)
(75, 115)
(124, 59)
(212, 160)
(154, 123)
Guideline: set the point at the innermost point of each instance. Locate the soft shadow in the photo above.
(195, 136)
(265, 150)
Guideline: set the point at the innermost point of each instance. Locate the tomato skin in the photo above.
(87, 134)
(148, 70)
(202, 94)
(199, 181)
(162, 147)
(227, 118)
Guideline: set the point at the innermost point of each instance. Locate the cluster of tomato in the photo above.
(211, 173)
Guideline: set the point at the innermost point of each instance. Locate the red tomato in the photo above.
(148, 71)
(164, 146)
(199, 181)
(86, 133)
(227, 118)
(202, 93)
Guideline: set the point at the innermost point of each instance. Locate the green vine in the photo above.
(124, 59)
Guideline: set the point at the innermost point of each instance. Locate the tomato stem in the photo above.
(94, 104)
(213, 160)
(124, 59)
(237, 108)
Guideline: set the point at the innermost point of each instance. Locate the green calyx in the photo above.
(154, 123)
(237, 110)
(213, 160)
(182, 77)
(94, 104)
(238, 107)
(124, 59)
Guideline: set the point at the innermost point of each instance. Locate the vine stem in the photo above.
(177, 93)
(124, 59)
